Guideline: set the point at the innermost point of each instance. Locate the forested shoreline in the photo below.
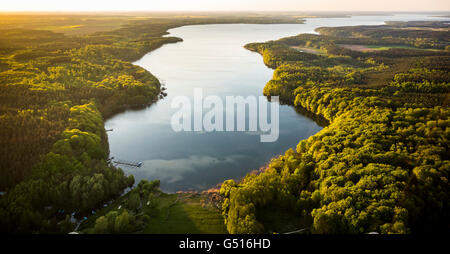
(382, 164)
(55, 91)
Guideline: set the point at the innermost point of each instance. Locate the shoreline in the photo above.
(157, 98)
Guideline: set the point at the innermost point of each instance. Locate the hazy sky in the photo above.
(225, 5)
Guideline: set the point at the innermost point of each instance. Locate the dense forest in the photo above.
(60, 76)
(382, 164)
(55, 91)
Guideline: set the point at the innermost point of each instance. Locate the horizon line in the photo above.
(218, 11)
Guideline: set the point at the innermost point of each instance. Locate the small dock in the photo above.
(129, 163)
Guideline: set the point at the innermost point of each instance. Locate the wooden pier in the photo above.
(129, 163)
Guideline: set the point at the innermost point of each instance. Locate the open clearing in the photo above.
(310, 50)
(370, 48)
(188, 215)
(185, 213)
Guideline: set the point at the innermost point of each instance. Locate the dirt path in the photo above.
(170, 206)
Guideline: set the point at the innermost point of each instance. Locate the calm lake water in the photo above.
(212, 57)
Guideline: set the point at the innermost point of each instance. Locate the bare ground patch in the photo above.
(307, 50)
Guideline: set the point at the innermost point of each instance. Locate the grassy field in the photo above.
(183, 214)
(173, 214)
(369, 48)
(387, 47)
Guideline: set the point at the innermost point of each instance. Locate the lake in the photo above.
(212, 57)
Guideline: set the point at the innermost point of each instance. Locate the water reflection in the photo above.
(212, 57)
